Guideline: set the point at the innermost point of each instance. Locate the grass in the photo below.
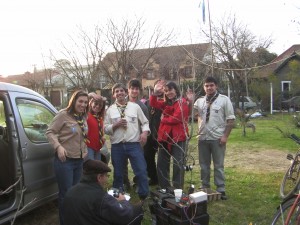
(253, 193)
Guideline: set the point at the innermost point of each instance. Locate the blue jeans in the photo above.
(133, 151)
(93, 154)
(67, 174)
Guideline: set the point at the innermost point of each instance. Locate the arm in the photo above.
(155, 103)
(119, 212)
(228, 128)
(52, 136)
(180, 114)
(144, 126)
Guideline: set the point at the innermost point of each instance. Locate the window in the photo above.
(188, 71)
(35, 119)
(285, 86)
(150, 74)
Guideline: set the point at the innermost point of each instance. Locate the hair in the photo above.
(102, 110)
(117, 85)
(71, 105)
(135, 83)
(210, 80)
(172, 85)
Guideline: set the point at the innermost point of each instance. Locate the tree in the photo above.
(235, 52)
(125, 40)
(79, 64)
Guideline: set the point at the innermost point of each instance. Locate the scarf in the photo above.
(100, 128)
(209, 102)
(121, 109)
(80, 122)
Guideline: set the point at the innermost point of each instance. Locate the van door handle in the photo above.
(24, 153)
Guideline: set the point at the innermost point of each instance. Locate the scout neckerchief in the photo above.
(100, 122)
(79, 120)
(121, 109)
(209, 102)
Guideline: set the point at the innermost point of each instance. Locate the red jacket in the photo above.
(174, 123)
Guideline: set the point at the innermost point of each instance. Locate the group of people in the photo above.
(137, 130)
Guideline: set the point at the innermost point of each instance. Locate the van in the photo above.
(246, 102)
(27, 177)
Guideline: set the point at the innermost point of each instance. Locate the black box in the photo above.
(186, 211)
(159, 197)
(164, 216)
(201, 219)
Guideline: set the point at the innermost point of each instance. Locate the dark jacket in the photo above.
(88, 204)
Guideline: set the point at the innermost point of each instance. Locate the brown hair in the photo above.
(102, 110)
(71, 106)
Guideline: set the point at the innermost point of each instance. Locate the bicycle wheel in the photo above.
(282, 212)
(290, 180)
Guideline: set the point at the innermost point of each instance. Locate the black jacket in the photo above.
(88, 204)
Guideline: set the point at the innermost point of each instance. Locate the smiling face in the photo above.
(210, 88)
(96, 106)
(81, 104)
(133, 93)
(119, 94)
(170, 93)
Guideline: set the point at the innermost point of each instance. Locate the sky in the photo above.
(31, 28)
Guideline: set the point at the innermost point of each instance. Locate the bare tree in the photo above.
(234, 51)
(79, 64)
(132, 48)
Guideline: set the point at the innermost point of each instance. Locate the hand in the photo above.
(123, 123)
(121, 197)
(190, 95)
(61, 153)
(143, 138)
(159, 88)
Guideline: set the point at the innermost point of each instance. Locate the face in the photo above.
(133, 92)
(170, 93)
(210, 88)
(81, 104)
(103, 179)
(119, 94)
(96, 106)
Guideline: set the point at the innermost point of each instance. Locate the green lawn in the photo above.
(252, 187)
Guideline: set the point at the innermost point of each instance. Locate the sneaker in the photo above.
(127, 186)
(223, 195)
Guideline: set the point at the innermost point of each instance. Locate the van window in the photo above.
(35, 119)
(3, 128)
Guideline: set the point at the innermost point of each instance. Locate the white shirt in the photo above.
(221, 110)
(136, 122)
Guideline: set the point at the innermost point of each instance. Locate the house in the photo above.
(170, 63)
(287, 77)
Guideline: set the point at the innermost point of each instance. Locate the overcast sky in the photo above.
(30, 28)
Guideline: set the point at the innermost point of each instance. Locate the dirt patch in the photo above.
(268, 160)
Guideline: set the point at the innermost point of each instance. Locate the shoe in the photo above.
(127, 186)
(142, 197)
(223, 195)
(135, 180)
(153, 182)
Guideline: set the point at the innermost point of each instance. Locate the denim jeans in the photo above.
(93, 154)
(134, 152)
(67, 174)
